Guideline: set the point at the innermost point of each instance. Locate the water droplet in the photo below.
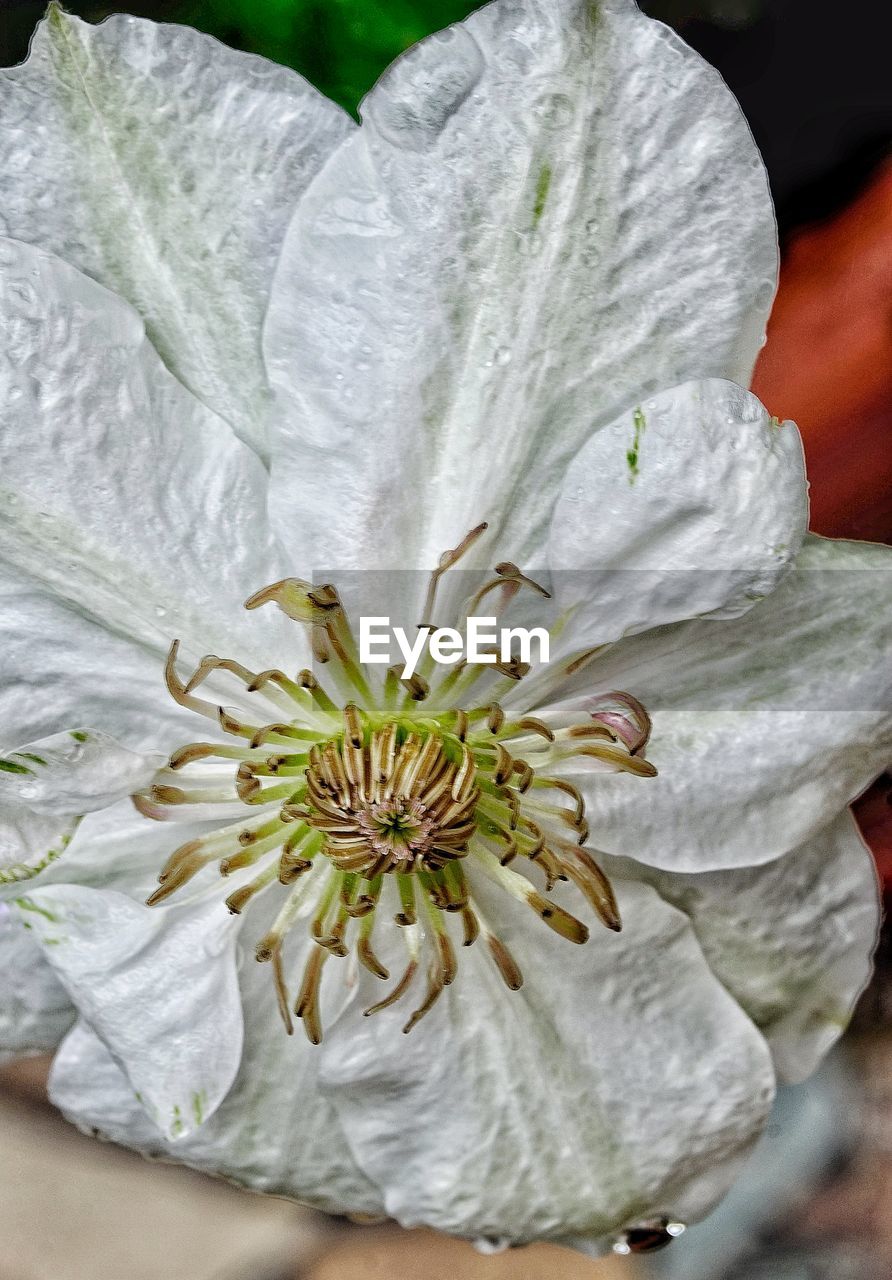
(491, 1244)
(160, 611)
(503, 355)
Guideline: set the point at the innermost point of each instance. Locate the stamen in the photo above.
(350, 788)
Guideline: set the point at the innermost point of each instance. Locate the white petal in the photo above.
(274, 1132)
(61, 668)
(124, 497)
(791, 940)
(551, 209)
(73, 772)
(691, 503)
(620, 1082)
(86, 1084)
(45, 788)
(158, 987)
(167, 167)
(35, 1011)
(119, 848)
(764, 727)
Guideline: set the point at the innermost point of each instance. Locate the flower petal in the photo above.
(124, 498)
(158, 987)
(35, 1012)
(620, 1082)
(691, 503)
(791, 940)
(73, 772)
(60, 667)
(764, 727)
(167, 167)
(46, 787)
(551, 209)
(274, 1132)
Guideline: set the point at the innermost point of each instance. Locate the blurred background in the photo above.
(814, 80)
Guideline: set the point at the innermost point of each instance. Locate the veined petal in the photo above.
(551, 209)
(693, 502)
(47, 786)
(60, 667)
(158, 988)
(35, 1012)
(167, 167)
(274, 1132)
(123, 497)
(764, 727)
(624, 1085)
(76, 771)
(792, 940)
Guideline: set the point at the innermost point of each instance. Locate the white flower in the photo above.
(521, 293)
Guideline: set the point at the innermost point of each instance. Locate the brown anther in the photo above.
(536, 726)
(398, 991)
(291, 868)
(514, 669)
(353, 724)
(169, 795)
(495, 719)
(416, 687)
(583, 659)
(460, 728)
(195, 751)
(525, 775)
(504, 766)
(471, 927)
(237, 901)
(369, 960)
(508, 570)
(505, 963)
(281, 990)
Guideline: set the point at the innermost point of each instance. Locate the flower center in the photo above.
(390, 797)
(387, 804)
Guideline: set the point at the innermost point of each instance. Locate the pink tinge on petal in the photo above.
(624, 716)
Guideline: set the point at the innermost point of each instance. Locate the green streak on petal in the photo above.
(29, 755)
(26, 904)
(10, 766)
(176, 1127)
(198, 1107)
(543, 186)
(633, 454)
(79, 735)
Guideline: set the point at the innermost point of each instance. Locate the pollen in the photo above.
(362, 803)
